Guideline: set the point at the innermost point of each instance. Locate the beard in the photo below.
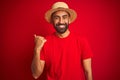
(61, 28)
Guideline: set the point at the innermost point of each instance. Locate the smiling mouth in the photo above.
(61, 26)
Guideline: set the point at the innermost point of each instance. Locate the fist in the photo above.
(39, 42)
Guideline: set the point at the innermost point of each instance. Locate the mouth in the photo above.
(61, 26)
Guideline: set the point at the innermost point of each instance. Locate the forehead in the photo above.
(59, 13)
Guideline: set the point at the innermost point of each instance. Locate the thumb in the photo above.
(35, 35)
(45, 40)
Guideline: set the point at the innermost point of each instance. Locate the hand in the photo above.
(39, 42)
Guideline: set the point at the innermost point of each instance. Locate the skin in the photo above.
(59, 17)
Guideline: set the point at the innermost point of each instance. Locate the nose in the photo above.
(61, 21)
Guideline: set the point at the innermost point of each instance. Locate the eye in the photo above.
(65, 17)
(55, 17)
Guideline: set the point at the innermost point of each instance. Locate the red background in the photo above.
(98, 20)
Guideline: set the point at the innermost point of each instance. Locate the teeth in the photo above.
(61, 26)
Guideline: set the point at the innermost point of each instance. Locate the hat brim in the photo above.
(72, 13)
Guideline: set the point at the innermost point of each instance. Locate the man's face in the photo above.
(60, 20)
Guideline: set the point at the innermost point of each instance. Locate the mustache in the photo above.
(60, 24)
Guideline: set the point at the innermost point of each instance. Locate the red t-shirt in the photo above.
(63, 57)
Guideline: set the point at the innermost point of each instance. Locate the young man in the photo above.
(64, 55)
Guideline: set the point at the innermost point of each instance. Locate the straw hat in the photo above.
(60, 6)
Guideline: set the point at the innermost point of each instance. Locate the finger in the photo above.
(40, 37)
(45, 40)
(35, 35)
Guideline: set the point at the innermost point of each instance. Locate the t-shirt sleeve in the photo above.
(86, 50)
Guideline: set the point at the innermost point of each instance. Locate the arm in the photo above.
(87, 68)
(37, 65)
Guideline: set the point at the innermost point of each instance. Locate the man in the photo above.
(64, 55)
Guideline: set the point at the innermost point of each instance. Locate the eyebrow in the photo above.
(58, 16)
(55, 15)
(65, 15)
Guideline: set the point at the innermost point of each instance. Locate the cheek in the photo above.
(67, 21)
(56, 22)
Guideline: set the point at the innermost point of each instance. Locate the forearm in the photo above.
(36, 64)
(88, 68)
(89, 75)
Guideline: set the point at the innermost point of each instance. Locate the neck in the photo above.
(64, 34)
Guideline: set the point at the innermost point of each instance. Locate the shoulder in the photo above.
(79, 37)
(82, 40)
